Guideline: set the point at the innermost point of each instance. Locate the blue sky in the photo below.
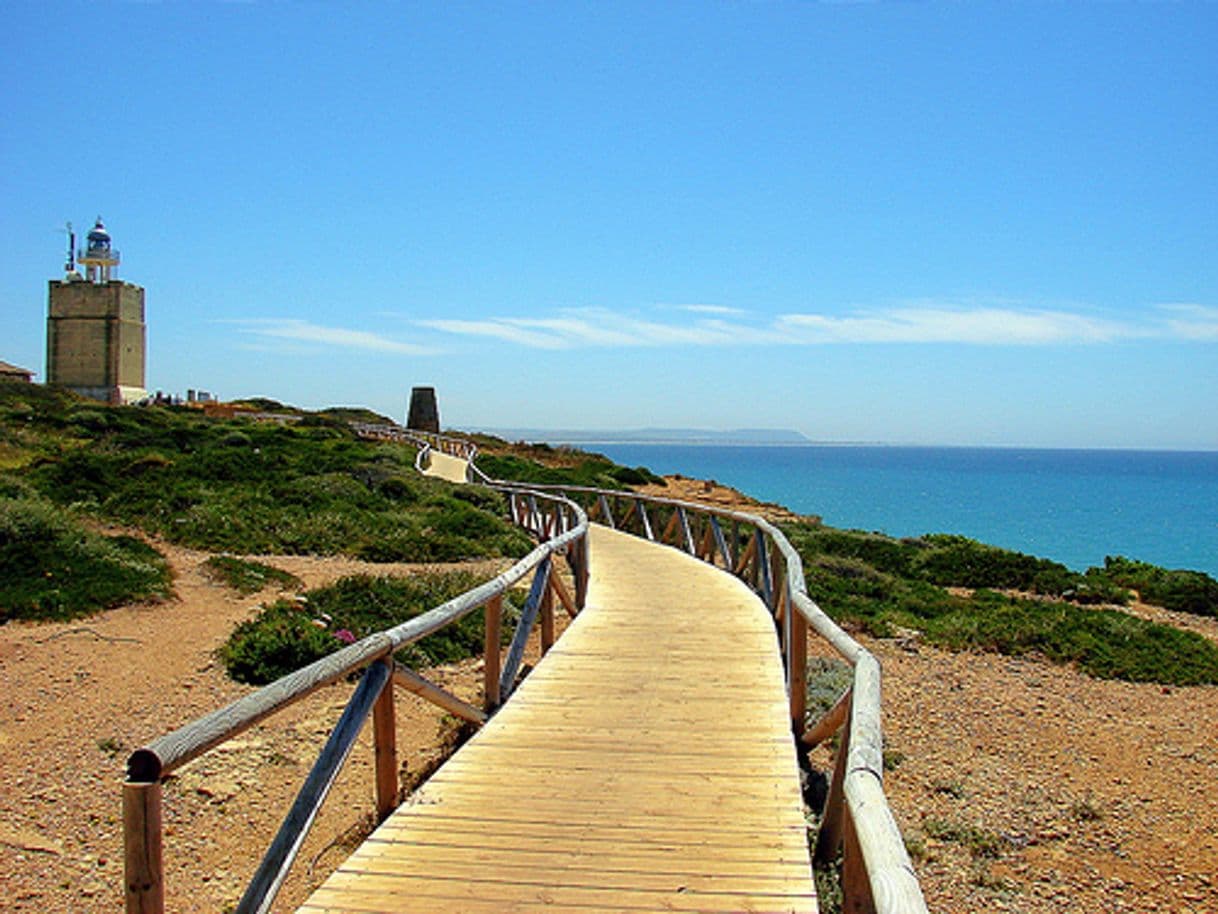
(914, 223)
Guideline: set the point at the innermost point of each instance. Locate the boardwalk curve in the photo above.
(446, 466)
(646, 764)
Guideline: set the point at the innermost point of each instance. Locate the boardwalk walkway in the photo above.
(646, 764)
(445, 466)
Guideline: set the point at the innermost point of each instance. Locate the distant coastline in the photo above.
(753, 437)
(779, 438)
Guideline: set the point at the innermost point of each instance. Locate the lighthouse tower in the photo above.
(95, 325)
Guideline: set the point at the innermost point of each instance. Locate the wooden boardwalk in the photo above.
(445, 466)
(646, 764)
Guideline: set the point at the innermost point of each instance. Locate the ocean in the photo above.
(1073, 506)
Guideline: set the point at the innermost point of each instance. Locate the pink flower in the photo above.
(345, 636)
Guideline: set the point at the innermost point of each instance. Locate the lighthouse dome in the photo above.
(98, 236)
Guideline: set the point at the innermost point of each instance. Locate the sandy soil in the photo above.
(78, 697)
(1020, 785)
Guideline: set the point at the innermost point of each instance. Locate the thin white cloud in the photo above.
(306, 332)
(722, 310)
(1192, 322)
(603, 328)
(978, 326)
(497, 329)
(916, 323)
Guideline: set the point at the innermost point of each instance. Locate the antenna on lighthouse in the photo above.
(70, 266)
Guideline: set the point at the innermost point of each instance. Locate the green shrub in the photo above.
(281, 639)
(590, 470)
(290, 634)
(52, 568)
(1106, 643)
(882, 584)
(1184, 591)
(961, 562)
(246, 576)
(245, 487)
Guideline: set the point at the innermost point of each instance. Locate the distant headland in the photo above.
(752, 436)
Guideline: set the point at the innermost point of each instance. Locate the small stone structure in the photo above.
(424, 415)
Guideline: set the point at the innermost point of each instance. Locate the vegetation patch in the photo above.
(586, 470)
(1183, 591)
(53, 568)
(247, 576)
(827, 679)
(980, 842)
(885, 585)
(241, 486)
(289, 634)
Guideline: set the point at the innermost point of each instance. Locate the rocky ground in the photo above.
(1020, 785)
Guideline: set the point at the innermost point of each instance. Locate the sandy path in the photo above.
(78, 697)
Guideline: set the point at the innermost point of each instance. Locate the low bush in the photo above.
(53, 568)
(882, 584)
(289, 634)
(1184, 591)
(243, 487)
(247, 576)
(1106, 643)
(588, 470)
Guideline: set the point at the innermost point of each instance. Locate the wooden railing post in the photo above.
(547, 616)
(491, 648)
(581, 575)
(829, 838)
(384, 731)
(797, 669)
(856, 885)
(143, 867)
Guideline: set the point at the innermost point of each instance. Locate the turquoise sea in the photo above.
(1074, 506)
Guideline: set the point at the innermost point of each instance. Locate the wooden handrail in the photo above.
(877, 873)
(283, 850)
(148, 765)
(772, 566)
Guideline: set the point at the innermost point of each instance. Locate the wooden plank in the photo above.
(746, 557)
(143, 871)
(413, 682)
(269, 876)
(670, 528)
(829, 838)
(612, 806)
(490, 651)
(797, 669)
(829, 723)
(606, 512)
(645, 519)
(384, 740)
(564, 596)
(547, 616)
(721, 541)
(524, 626)
(687, 536)
(398, 892)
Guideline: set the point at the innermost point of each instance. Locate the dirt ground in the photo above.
(1021, 786)
(80, 696)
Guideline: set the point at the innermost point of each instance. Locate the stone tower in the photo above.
(95, 326)
(424, 415)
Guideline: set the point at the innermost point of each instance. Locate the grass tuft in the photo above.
(247, 576)
(53, 568)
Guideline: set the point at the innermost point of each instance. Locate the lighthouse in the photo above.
(95, 325)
